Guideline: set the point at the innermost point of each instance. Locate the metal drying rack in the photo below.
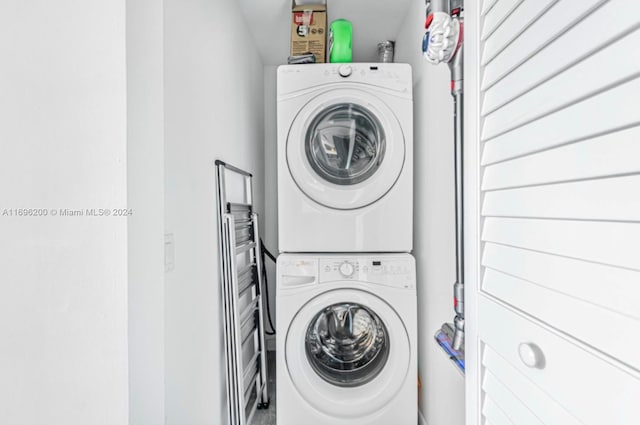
(246, 356)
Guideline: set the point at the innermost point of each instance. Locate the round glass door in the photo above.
(347, 353)
(347, 344)
(345, 144)
(345, 149)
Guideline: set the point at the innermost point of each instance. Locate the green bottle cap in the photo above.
(340, 41)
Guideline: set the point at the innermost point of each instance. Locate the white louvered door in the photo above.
(556, 96)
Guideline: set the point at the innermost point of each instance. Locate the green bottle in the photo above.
(340, 41)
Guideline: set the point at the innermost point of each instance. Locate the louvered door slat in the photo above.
(544, 99)
(612, 110)
(541, 33)
(608, 287)
(608, 199)
(610, 243)
(511, 405)
(487, 6)
(607, 155)
(494, 413)
(593, 325)
(546, 409)
(498, 15)
(593, 389)
(598, 30)
(524, 15)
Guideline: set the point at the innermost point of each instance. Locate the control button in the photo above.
(346, 269)
(345, 70)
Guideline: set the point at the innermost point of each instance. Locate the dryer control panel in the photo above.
(395, 77)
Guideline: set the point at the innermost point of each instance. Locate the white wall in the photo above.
(442, 398)
(213, 110)
(63, 296)
(145, 181)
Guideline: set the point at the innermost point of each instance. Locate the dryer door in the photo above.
(345, 149)
(347, 353)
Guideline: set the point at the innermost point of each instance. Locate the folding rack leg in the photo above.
(226, 302)
(264, 397)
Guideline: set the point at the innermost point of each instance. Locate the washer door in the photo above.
(347, 353)
(345, 149)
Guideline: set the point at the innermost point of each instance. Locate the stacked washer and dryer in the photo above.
(346, 303)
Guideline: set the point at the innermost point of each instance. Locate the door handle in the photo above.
(288, 280)
(531, 355)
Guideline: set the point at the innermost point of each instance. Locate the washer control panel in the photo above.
(346, 269)
(395, 270)
(389, 271)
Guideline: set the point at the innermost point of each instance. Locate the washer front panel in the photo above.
(345, 149)
(346, 401)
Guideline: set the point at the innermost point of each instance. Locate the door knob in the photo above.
(531, 355)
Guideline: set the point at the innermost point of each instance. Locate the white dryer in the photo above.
(346, 340)
(345, 158)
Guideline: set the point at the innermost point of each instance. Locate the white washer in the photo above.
(345, 158)
(346, 340)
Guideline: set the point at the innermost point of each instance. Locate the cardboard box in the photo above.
(309, 30)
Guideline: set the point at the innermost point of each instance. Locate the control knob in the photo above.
(346, 269)
(345, 70)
